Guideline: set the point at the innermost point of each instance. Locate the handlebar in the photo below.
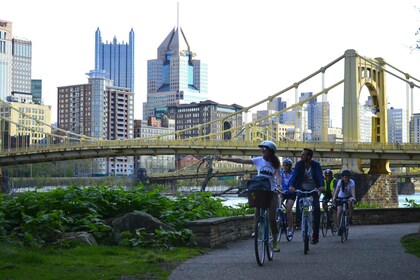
(306, 192)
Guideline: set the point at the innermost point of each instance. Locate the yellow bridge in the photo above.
(242, 140)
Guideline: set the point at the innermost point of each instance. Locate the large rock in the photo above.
(81, 237)
(136, 220)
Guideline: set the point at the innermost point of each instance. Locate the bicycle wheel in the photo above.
(324, 224)
(259, 240)
(306, 237)
(279, 223)
(269, 241)
(346, 230)
(343, 227)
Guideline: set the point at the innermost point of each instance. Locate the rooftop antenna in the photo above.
(177, 15)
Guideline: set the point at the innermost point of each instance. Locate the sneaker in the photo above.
(276, 245)
(253, 234)
(289, 233)
(315, 240)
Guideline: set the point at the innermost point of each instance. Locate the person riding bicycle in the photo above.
(329, 186)
(290, 197)
(268, 165)
(345, 190)
(308, 176)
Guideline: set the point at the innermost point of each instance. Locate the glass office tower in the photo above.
(116, 59)
(175, 77)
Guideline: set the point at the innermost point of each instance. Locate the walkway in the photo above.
(371, 252)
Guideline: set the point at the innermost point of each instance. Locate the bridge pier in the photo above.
(352, 164)
(376, 189)
(379, 166)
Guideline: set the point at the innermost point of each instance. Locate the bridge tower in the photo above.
(361, 72)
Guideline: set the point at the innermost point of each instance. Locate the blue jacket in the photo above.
(317, 175)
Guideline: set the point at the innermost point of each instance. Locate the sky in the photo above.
(253, 48)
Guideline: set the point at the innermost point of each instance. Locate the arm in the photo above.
(236, 160)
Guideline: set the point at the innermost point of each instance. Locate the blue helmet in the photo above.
(268, 144)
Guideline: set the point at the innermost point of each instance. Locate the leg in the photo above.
(289, 212)
(272, 220)
(317, 217)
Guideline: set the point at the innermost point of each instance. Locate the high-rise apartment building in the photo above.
(99, 109)
(397, 126)
(415, 128)
(174, 77)
(15, 62)
(116, 60)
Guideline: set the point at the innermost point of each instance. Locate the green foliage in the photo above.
(411, 203)
(365, 205)
(411, 244)
(38, 218)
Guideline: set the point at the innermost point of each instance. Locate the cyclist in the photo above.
(329, 186)
(290, 197)
(308, 176)
(267, 165)
(345, 190)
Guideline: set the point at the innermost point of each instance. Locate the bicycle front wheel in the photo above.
(346, 231)
(306, 237)
(269, 242)
(279, 223)
(324, 224)
(343, 227)
(259, 241)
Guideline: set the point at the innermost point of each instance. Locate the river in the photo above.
(234, 200)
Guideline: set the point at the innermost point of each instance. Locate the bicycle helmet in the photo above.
(346, 173)
(287, 161)
(268, 144)
(328, 172)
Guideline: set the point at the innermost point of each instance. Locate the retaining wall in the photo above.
(215, 232)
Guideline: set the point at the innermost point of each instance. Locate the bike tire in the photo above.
(306, 238)
(259, 241)
(346, 228)
(279, 223)
(269, 242)
(324, 224)
(343, 227)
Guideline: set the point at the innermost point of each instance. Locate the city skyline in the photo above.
(268, 44)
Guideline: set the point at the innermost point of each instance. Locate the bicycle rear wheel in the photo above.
(346, 231)
(259, 240)
(324, 224)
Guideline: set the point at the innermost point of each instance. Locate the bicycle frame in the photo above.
(306, 208)
(281, 220)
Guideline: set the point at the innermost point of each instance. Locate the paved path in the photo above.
(371, 252)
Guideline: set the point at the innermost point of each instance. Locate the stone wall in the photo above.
(380, 190)
(216, 232)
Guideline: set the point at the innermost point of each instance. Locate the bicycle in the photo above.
(263, 237)
(281, 221)
(327, 222)
(344, 222)
(306, 208)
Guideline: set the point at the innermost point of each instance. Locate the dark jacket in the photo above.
(317, 175)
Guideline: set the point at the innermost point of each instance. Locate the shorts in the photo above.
(288, 196)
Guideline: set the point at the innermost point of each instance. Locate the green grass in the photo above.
(411, 244)
(89, 262)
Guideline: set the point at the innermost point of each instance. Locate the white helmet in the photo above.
(268, 144)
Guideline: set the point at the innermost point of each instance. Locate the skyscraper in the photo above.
(116, 60)
(5, 58)
(174, 77)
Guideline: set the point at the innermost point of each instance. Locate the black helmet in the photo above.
(346, 173)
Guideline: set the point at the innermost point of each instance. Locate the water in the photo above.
(234, 200)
